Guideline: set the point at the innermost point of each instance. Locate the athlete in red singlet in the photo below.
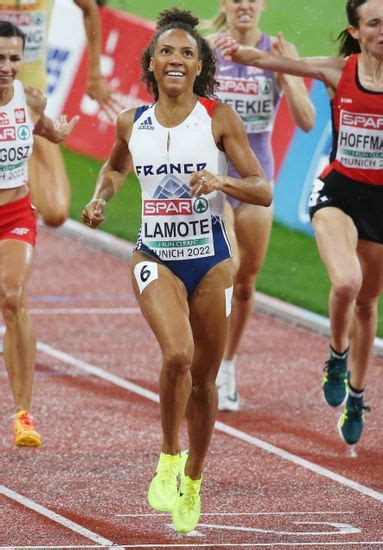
(347, 200)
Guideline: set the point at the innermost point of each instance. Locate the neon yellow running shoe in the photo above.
(163, 487)
(24, 432)
(187, 507)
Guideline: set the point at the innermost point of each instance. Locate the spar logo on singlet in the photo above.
(357, 120)
(360, 140)
(238, 86)
(175, 207)
(8, 133)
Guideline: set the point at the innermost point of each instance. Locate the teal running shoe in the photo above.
(335, 381)
(351, 422)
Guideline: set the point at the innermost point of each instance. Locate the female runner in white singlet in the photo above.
(182, 269)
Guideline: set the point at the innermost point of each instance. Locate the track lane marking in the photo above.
(69, 524)
(84, 310)
(207, 545)
(219, 426)
(235, 514)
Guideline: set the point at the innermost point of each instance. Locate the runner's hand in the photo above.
(99, 89)
(93, 213)
(63, 128)
(203, 182)
(228, 46)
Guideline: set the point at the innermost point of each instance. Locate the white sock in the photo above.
(226, 372)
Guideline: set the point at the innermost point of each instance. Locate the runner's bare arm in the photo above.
(113, 172)
(230, 135)
(326, 69)
(97, 86)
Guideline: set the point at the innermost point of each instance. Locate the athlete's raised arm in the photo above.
(326, 69)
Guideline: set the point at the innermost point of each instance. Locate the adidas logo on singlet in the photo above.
(147, 124)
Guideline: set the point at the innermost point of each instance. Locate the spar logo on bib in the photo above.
(200, 205)
(238, 86)
(168, 207)
(359, 120)
(7, 133)
(23, 132)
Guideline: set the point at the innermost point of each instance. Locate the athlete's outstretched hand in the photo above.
(63, 127)
(99, 89)
(93, 213)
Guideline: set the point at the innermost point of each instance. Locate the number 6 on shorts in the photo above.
(145, 273)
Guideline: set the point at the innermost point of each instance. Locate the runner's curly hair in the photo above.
(205, 84)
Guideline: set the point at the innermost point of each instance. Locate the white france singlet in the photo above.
(176, 226)
(16, 139)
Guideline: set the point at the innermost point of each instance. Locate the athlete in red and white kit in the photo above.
(346, 203)
(21, 116)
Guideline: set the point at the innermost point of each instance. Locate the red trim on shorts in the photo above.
(18, 221)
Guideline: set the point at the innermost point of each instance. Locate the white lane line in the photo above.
(83, 311)
(169, 545)
(220, 426)
(235, 514)
(24, 501)
(96, 371)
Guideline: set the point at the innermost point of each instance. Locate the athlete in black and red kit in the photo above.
(346, 203)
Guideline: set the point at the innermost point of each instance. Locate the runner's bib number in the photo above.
(253, 100)
(178, 229)
(360, 141)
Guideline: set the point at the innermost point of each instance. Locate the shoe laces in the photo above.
(167, 471)
(190, 492)
(355, 408)
(335, 370)
(25, 421)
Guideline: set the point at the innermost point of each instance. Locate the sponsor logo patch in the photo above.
(20, 231)
(8, 133)
(4, 120)
(360, 120)
(147, 124)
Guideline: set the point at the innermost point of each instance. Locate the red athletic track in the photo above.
(101, 440)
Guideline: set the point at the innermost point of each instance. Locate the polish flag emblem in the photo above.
(20, 116)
